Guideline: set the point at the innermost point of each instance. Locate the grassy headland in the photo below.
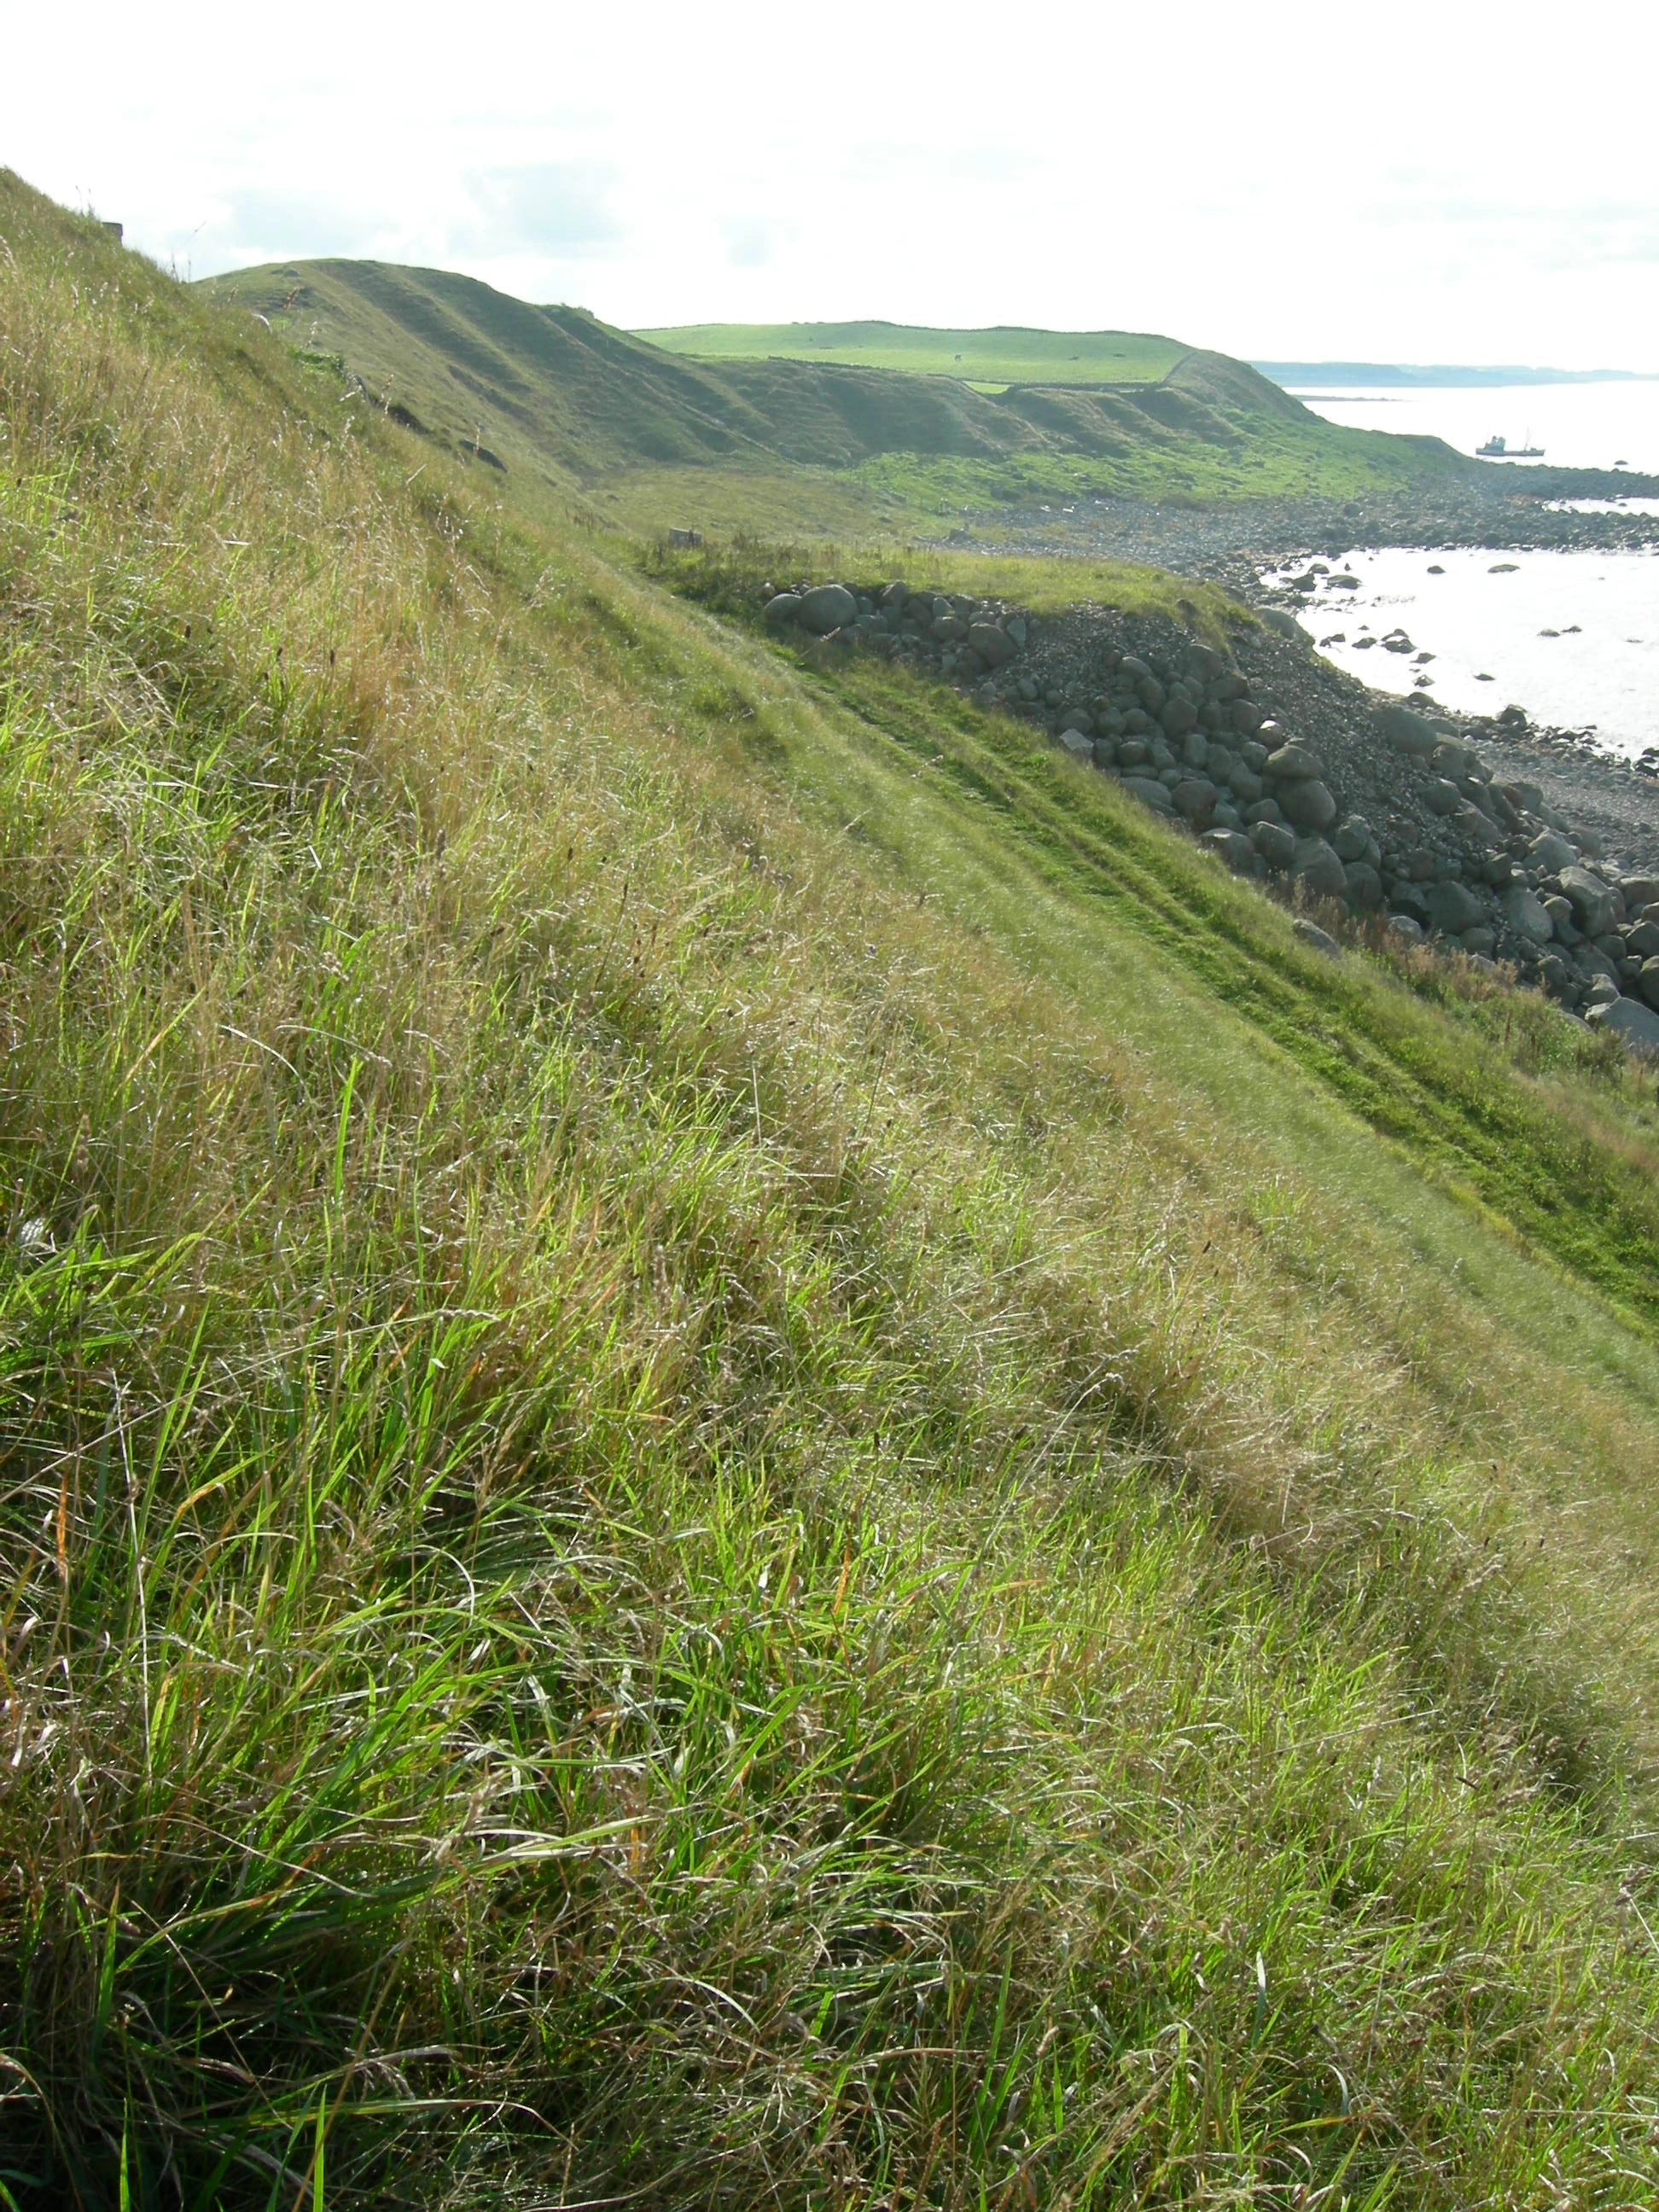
(730, 1478)
(638, 436)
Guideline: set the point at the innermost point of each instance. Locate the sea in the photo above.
(1570, 636)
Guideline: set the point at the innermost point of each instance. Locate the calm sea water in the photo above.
(1579, 426)
(1573, 637)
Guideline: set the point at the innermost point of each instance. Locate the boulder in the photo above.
(1526, 914)
(1079, 747)
(995, 647)
(1204, 662)
(1294, 763)
(1365, 885)
(1551, 851)
(1637, 1025)
(1407, 928)
(1195, 798)
(1195, 753)
(1407, 732)
(1314, 863)
(1307, 804)
(1233, 848)
(1319, 940)
(826, 607)
(1593, 901)
(1639, 891)
(1247, 717)
(1440, 797)
(783, 609)
(1149, 792)
(949, 628)
(1016, 631)
(1648, 981)
(1077, 717)
(894, 596)
(1352, 840)
(1451, 909)
(1643, 940)
(1277, 619)
(1276, 844)
(1178, 715)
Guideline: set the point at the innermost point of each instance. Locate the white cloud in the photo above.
(1405, 185)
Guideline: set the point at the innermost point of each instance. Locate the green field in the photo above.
(753, 1455)
(996, 357)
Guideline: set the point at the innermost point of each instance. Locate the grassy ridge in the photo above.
(1001, 357)
(621, 432)
(673, 1526)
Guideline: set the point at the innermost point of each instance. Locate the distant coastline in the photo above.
(1295, 375)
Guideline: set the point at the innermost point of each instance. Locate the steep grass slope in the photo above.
(552, 394)
(716, 1490)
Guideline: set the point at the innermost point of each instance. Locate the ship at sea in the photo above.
(1500, 449)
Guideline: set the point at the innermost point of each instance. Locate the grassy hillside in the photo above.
(643, 437)
(999, 356)
(737, 1471)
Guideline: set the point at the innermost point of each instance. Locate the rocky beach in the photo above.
(1484, 837)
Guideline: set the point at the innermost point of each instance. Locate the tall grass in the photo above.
(611, 1594)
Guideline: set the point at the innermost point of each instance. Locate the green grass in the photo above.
(727, 1478)
(992, 357)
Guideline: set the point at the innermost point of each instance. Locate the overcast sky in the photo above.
(1406, 182)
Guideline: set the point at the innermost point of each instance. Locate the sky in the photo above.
(1403, 182)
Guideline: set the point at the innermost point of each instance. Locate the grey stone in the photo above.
(949, 628)
(1077, 718)
(1276, 619)
(1246, 785)
(1592, 900)
(894, 595)
(1078, 746)
(1365, 885)
(1452, 909)
(1407, 732)
(1293, 762)
(1017, 630)
(1440, 797)
(1105, 753)
(826, 607)
(1308, 803)
(1526, 915)
(1247, 717)
(1352, 838)
(1317, 866)
(1179, 715)
(1194, 797)
(1233, 848)
(1407, 928)
(995, 647)
(1317, 940)
(1275, 843)
(1639, 891)
(1150, 793)
(1551, 851)
(1647, 982)
(1480, 940)
(1644, 939)
(1195, 752)
(1636, 1025)
(783, 609)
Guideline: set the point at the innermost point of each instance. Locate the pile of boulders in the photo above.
(1445, 851)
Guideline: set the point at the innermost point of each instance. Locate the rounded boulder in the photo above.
(1308, 803)
(826, 607)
